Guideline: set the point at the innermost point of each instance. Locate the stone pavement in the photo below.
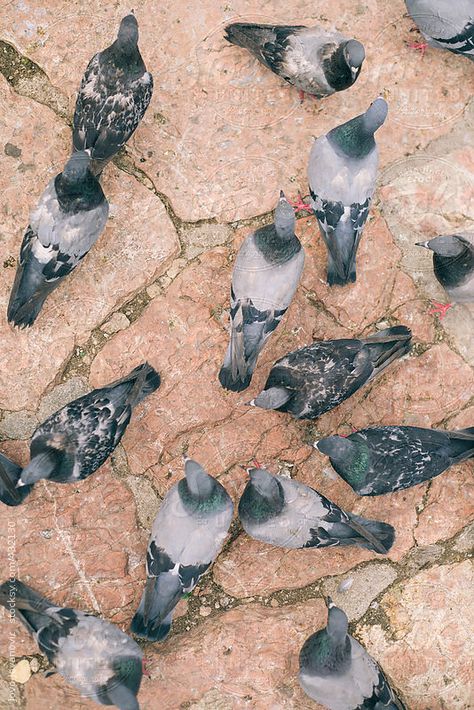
(219, 140)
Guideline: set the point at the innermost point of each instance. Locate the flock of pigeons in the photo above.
(194, 518)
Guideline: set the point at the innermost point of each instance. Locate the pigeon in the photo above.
(316, 61)
(67, 222)
(91, 654)
(384, 459)
(77, 439)
(113, 97)
(453, 263)
(338, 673)
(265, 277)
(285, 513)
(186, 537)
(342, 173)
(310, 381)
(445, 24)
(9, 476)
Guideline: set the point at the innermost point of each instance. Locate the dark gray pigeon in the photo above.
(316, 378)
(91, 654)
(342, 173)
(337, 672)
(266, 274)
(286, 513)
(316, 61)
(77, 439)
(67, 222)
(187, 535)
(453, 263)
(9, 476)
(389, 458)
(445, 24)
(113, 97)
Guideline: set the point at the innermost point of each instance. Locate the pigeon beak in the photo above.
(422, 244)
(354, 71)
(250, 404)
(315, 445)
(282, 196)
(20, 484)
(329, 603)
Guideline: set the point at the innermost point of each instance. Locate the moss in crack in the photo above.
(28, 79)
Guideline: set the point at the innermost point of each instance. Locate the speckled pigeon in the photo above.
(68, 220)
(342, 173)
(9, 476)
(388, 458)
(113, 97)
(286, 513)
(316, 378)
(74, 441)
(453, 263)
(315, 60)
(187, 534)
(338, 673)
(91, 654)
(446, 24)
(266, 274)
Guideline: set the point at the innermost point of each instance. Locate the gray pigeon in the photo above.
(310, 381)
(74, 441)
(91, 654)
(10, 474)
(453, 263)
(337, 672)
(67, 222)
(446, 24)
(265, 277)
(187, 534)
(389, 458)
(342, 173)
(316, 61)
(286, 513)
(113, 97)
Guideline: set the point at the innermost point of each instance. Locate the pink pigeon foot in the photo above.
(300, 205)
(145, 670)
(418, 47)
(440, 309)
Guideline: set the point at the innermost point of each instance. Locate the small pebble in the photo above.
(346, 584)
(21, 673)
(205, 611)
(34, 665)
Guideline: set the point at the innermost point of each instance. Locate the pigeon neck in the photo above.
(452, 271)
(126, 56)
(260, 507)
(79, 195)
(354, 462)
(202, 498)
(324, 656)
(337, 71)
(353, 139)
(276, 246)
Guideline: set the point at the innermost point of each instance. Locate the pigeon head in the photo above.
(337, 623)
(200, 485)
(336, 447)
(127, 36)
(263, 497)
(284, 218)
(354, 55)
(43, 465)
(375, 115)
(76, 168)
(450, 246)
(125, 683)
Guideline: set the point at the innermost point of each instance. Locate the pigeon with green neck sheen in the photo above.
(266, 274)
(113, 97)
(91, 654)
(390, 458)
(286, 513)
(338, 673)
(342, 174)
(317, 61)
(453, 264)
(69, 218)
(187, 535)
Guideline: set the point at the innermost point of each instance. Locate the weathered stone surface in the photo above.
(355, 591)
(433, 667)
